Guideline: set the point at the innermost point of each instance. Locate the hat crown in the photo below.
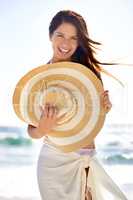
(61, 97)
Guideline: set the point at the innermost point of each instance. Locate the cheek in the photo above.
(74, 47)
(54, 42)
(54, 45)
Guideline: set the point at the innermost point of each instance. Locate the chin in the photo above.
(64, 59)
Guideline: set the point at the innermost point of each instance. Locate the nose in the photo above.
(66, 42)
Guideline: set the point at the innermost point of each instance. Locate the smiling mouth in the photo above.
(63, 51)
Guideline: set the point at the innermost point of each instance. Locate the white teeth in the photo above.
(64, 50)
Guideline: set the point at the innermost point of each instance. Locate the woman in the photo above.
(70, 42)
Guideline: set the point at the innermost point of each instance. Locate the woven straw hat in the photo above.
(75, 90)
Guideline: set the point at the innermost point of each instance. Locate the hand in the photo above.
(48, 118)
(106, 101)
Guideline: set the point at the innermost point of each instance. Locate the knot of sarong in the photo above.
(85, 164)
(86, 160)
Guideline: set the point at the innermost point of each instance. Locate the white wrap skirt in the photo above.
(62, 176)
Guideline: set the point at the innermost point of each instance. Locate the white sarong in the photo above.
(62, 176)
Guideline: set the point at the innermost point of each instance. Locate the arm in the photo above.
(106, 101)
(34, 132)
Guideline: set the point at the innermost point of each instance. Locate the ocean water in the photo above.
(19, 153)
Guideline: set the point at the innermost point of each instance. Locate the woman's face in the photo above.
(64, 42)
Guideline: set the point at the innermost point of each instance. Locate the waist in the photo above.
(82, 151)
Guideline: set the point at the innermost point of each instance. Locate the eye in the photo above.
(59, 35)
(74, 38)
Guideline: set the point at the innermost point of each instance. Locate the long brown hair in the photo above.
(85, 53)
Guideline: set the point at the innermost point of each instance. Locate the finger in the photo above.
(105, 92)
(105, 95)
(108, 107)
(42, 111)
(105, 98)
(55, 111)
(51, 111)
(46, 109)
(106, 101)
(41, 108)
(42, 115)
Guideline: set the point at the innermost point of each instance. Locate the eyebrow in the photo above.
(57, 32)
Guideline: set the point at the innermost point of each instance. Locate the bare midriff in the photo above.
(90, 146)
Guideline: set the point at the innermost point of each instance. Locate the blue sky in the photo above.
(24, 44)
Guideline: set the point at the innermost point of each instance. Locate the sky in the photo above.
(24, 44)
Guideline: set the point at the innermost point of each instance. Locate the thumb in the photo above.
(41, 108)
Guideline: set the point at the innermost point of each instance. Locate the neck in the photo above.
(54, 60)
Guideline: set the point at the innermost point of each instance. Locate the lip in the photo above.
(64, 53)
(64, 50)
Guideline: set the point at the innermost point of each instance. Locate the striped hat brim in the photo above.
(75, 90)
